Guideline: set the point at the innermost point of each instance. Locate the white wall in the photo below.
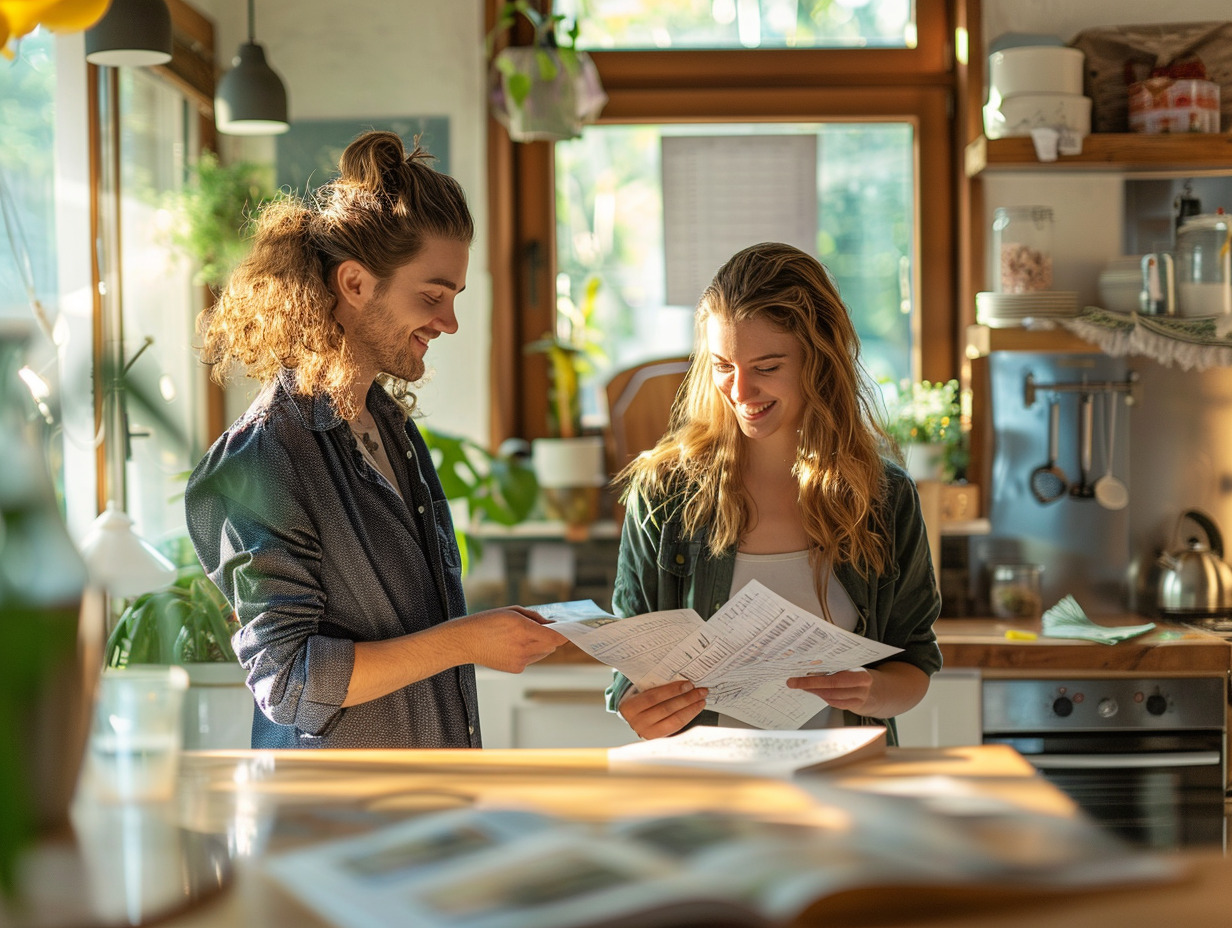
(379, 59)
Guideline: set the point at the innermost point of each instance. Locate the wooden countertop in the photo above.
(1169, 648)
(196, 862)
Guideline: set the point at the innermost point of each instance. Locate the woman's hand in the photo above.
(846, 689)
(662, 710)
(879, 692)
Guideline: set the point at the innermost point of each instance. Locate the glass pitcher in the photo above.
(1204, 266)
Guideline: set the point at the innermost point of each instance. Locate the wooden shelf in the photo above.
(1135, 152)
(982, 339)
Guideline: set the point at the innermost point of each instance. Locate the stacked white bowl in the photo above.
(1033, 86)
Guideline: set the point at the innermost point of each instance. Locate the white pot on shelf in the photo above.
(925, 460)
(571, 473)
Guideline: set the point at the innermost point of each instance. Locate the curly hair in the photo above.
(838, 464)
(277, 309)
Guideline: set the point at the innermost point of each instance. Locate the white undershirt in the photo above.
(791, 576)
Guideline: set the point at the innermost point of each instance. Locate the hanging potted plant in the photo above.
(547, 90)
(569, 465)
(209, 216)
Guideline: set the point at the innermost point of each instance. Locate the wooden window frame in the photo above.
(916, 85)
(191, 70)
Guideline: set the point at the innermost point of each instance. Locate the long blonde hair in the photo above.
(838, 463)
(277, 308)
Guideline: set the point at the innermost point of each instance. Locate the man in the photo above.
(319, 513)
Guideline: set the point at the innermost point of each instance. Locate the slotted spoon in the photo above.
(1048, 482)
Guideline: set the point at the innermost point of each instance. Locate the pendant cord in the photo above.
(252, 22)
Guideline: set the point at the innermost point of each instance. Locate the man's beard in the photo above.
(372, 329)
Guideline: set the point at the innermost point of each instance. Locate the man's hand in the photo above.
(662, 710)
(508, 639)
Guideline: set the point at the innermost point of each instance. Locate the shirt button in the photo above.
(410, 455)
(421, 510)
(470, 729)
(679, 558)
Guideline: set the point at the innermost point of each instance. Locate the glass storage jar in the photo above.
(1204, 266)
(1023, 245)
(1014, 591)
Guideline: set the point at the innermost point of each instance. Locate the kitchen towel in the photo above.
(1067, 620)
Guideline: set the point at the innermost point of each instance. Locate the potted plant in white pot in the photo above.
(925, 420)
(547, 90)
(189, 623)
(569, 465)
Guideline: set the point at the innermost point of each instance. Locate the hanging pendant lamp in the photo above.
(132, 33)
(251, 98)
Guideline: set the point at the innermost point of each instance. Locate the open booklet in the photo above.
(505, 868)
(743, 654)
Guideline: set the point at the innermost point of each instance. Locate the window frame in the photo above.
(191, 72)
(797, 85)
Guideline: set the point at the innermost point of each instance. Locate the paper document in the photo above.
(743, 655)
(763, 753)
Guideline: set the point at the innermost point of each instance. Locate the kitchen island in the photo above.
(196, 862)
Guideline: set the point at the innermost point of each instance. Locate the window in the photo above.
(857, 178)
(635, 24)
(891, 99)
(155, 432)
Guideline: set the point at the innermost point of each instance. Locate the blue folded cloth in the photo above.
(1067, 620)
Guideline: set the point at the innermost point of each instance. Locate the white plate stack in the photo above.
(1025, 310)
(1034, 86)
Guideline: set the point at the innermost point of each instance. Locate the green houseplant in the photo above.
(547, 90)
(568, 464)
(499, 487)
(188, 622)
(925, 419)
(210, 214)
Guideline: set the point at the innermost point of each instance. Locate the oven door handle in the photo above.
(1106, 761)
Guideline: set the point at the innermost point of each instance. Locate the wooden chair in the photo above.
(639, 402)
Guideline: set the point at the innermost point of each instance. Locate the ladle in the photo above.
(1048, 482)
(1111, 492)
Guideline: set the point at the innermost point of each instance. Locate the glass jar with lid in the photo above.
(1014, 591)
(1023, 245)
(1204, 266)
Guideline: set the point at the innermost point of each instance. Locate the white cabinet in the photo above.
(949, 715)
(549, 706)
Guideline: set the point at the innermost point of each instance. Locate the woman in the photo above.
(771, 470)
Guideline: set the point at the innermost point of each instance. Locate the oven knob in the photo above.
(1062, 706)
(1107, 708)
(1156, 705)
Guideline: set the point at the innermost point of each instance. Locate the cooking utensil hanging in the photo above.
(1048, 481)
(1086, 414)
(1111, 492)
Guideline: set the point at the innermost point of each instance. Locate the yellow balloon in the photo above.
(74, 15)
(4, 35)
(24, 15)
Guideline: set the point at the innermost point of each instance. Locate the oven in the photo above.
(1144, 757)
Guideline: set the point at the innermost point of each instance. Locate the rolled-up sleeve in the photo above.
(261, 547)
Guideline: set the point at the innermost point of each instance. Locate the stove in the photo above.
(1220, 625)
(1145, 757)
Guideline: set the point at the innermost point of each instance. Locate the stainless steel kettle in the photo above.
(1195, 581)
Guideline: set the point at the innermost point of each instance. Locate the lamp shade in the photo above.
(119, 560)
(132, 33)
(251, 98)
